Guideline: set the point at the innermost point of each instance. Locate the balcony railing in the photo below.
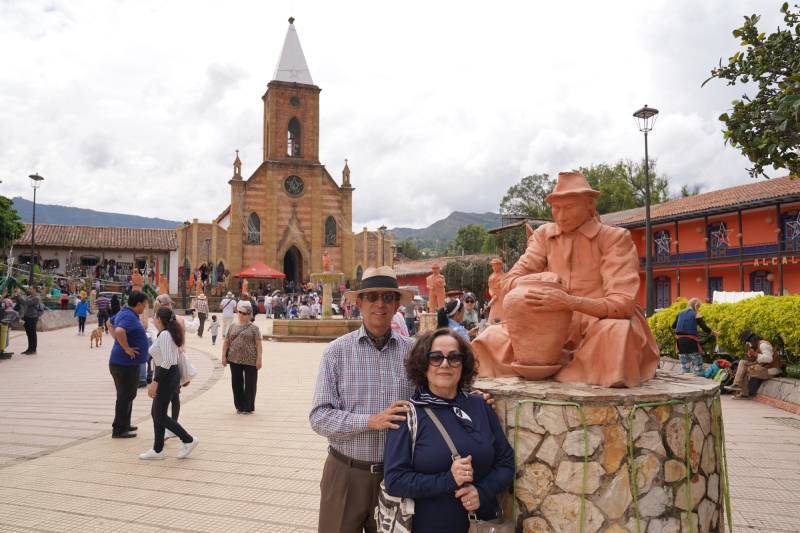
(717, 255)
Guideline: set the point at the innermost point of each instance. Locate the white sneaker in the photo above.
(153, 455)
(168, 435)
(188, 447)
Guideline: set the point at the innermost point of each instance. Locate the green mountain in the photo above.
(445, 230)
(76, 216)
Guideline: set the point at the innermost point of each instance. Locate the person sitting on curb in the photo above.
(761, 362)
(690, 352)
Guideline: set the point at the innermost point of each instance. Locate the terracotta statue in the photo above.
(588, 271)
(326, 262)
(163, 285)
(436, 285)
(496, 307)
(136, 280)
(191, 280)
(245, 286)
(198, 289)
(92, 298)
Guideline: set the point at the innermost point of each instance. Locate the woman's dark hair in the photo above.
(450, 309)
(170, 321)
(417, 360)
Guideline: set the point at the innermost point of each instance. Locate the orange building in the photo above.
(744, 238)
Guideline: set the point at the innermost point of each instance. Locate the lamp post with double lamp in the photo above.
(185, 270)
(382, 229)
(36, 182)
(645, 120)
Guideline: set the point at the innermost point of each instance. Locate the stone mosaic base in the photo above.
(550, 446)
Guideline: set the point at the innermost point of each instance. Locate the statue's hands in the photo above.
(549, 299)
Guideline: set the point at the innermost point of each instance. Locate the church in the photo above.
(290, 210)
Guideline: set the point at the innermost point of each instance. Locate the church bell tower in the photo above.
(291, 107)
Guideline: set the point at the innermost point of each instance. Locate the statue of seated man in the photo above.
(609, 342)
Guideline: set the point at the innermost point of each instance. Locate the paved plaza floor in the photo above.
(61, 471)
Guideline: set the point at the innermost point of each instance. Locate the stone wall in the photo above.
(58, 319)
(550, 455)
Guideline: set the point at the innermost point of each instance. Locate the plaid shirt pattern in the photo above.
(355, 381)
(201, 306)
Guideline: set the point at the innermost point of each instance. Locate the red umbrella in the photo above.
(260, 271)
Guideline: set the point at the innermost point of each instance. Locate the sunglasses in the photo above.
(243, 313)
(469, 301)
(387, 297)
(437, 358)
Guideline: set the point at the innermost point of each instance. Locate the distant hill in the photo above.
(446, 229)
(76, 216)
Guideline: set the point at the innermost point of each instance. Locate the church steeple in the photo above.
(237, 167)
(292, 66)
(346, 175)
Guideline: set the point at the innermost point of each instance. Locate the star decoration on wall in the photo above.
(793, 228)
(294, 185)
(294, 73)
(662, 244)
(722, 234)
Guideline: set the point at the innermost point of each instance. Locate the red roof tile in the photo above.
(62, 236)
(761, 192)
(423, 266)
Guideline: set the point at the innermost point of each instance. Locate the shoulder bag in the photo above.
(497, 525)
(187, 369)
(394, 514)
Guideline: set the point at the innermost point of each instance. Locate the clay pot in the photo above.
(538, 339)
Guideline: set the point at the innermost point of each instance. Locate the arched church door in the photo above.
(293, 265)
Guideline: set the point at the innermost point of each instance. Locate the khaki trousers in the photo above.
(348, 497)
(745, 372)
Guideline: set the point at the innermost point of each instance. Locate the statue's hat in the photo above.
(571, 183)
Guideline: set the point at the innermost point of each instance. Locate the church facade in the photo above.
(290, 210)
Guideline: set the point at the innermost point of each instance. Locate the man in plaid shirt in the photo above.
(361, 391)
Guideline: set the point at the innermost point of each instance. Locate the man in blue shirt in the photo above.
(129, 352)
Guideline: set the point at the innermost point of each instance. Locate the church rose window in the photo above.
(293, 138)
(253, 229)
(330, 232)
(294, 101)
(294, 186)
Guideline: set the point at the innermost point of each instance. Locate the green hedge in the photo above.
(776, 318)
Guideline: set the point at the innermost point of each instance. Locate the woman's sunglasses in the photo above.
(437, 358)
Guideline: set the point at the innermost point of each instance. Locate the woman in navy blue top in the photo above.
(442, 366)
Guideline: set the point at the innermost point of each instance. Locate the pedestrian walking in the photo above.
(242, 350)
(81, 310)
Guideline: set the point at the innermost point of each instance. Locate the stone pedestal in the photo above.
(327, 279)
(632, 446)
(427, 322)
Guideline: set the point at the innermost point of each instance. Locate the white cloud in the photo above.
(138, 107)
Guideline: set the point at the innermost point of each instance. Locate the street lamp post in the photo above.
(645, 120)
(209, 266)
(382, 229)
(36, 182)
(185, 256)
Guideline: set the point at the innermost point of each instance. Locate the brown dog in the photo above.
(96, 338)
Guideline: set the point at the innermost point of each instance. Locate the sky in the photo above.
(138, 107)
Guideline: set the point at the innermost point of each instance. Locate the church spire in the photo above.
(237, 167)
(346, 175)
(292, 66)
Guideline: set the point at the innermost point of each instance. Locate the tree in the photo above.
(766, 127)
(410, 250)
(622, 185)
(472, 276)
(11, 229)
(469, 240)
(687, 191)
(527, 197)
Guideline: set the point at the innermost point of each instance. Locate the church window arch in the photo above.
(253, 229)
(359, 273)
(331, 233)
(293, 138)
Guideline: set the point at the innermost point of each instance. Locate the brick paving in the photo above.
(61, 471)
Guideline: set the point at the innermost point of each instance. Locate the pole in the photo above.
(33, 238)
(648, 265)
(185, 273)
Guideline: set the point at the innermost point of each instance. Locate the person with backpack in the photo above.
(30, 316)
(690, 352)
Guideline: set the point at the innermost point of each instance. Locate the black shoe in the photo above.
(149, 381)
(133, 428)
(142, 384)
(30, 353)
(25, 352)
(124, 435)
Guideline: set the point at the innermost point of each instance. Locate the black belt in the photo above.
(372, 468)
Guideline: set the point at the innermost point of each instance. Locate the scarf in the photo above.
(424, 397)
(379, 342)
